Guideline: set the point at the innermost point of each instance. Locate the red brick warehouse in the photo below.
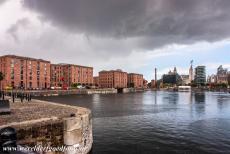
(24, 72)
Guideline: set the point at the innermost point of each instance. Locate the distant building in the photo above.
(200, 75)
(96, 81)
(65, 75)
(113, 79)
(135, 80)
(172, 77)
(191, 74)
(145, 83)
(185, 79)
(222, 75)
(153, 84)
(228, 78)
(24, 72)
(212, 79)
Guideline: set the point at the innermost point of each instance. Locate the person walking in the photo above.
(13, 96)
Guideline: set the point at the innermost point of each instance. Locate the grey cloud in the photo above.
(2, 1)
(156, 22)
(21, 23)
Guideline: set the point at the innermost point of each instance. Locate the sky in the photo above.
(133, 35)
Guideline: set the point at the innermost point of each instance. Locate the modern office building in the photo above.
(64, 75)
(113, 79)
(24, 72)
(200, 75)
(135, 80)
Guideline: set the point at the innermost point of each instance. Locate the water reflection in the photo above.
(199, 97)
(157, 122)
(171, 97)
(223, 101)
(199, 103)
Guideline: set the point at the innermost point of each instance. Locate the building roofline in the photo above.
(22, 57)
(65, 64)
(135, 74)
(113, 71)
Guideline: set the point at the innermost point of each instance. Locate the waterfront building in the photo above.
(185, 79)
(172, 77)
(212, 79)
(66, 75)
(191, 74)
(222, 75)
(24, 72)
(135, 80)
(200, 75)
(56, 75)
(153, 83)
(228, 78)
(113, 79)
(145, 83)
(96, 81)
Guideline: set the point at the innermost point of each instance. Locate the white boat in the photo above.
(184, 88)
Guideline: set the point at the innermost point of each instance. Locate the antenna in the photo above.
(191, 62)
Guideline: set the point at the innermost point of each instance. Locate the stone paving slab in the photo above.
(36, 109)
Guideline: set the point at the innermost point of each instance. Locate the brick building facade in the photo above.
(24, 72)
(96, 81)
(113, 79)
(145, 84)
(135, 80)
(64, 75)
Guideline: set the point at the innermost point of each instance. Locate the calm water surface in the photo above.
(157, 122)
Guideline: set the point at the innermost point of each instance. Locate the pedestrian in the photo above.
(28, 97)
(13, 97)
(25, 96)
(3, 97)
(21, 97)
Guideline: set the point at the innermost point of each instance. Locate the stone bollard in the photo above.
(72, 132)
(78, 133)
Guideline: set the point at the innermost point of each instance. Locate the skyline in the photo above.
(120, 69)
(136, 40)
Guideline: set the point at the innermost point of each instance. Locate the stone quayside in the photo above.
(50, 124)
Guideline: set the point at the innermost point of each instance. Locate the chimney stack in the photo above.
(155, 77)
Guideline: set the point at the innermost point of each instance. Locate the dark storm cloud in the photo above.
(155, 22)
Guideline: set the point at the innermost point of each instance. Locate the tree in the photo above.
(1, 78)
